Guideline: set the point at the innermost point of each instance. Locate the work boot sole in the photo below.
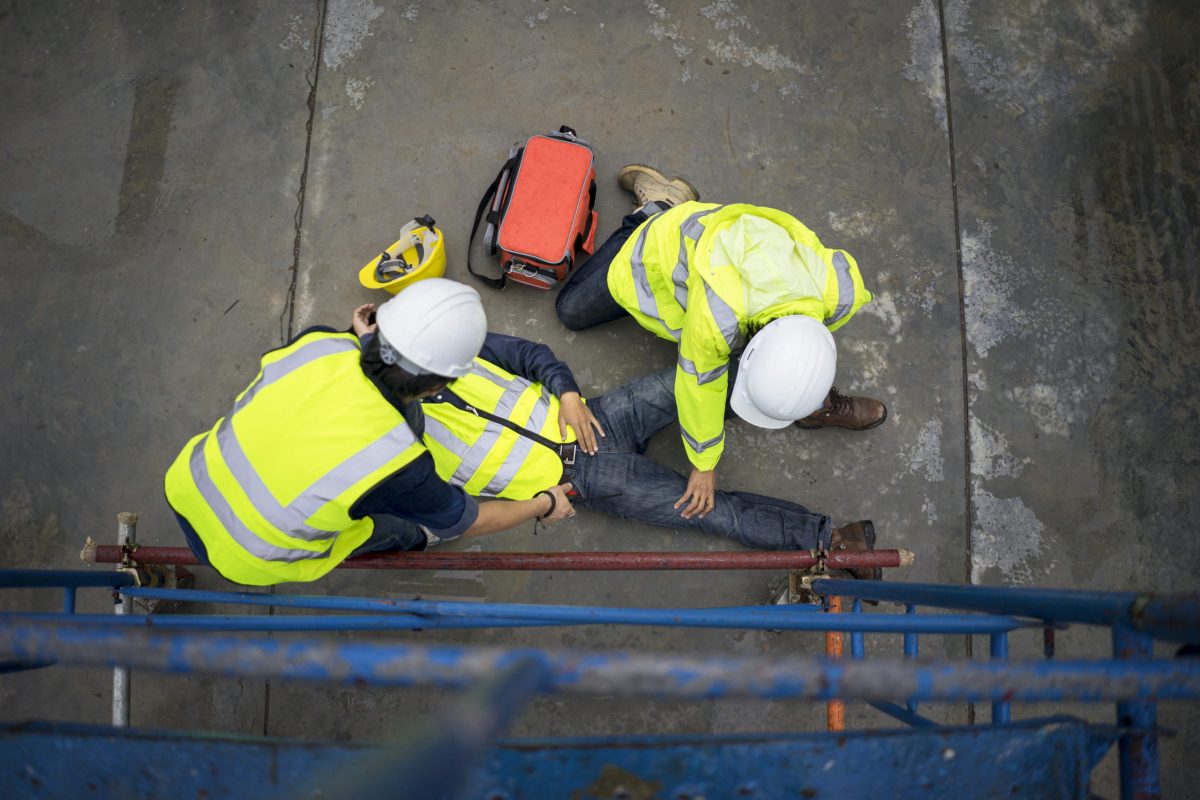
(814, 426)
(628, 172)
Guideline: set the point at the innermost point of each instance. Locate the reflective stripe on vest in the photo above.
(641, 282)
(293, 361)
(473, 456)
(697, 445)
(689, 366)
(845, 282)
(233, 524)
(475, 453)
(691, 228)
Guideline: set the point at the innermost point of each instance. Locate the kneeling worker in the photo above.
(722, 281)
(321, 456)
(514, 426)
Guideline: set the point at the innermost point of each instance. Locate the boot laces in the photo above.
(839, 404)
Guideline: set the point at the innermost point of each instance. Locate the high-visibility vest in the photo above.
(708, 276)
(269, 488)
(484, 457)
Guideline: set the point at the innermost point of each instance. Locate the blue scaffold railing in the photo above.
(499, 680)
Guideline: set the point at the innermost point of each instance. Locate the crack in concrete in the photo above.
(962, 321)
(312, 76)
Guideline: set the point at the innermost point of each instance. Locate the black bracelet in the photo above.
(553, 502)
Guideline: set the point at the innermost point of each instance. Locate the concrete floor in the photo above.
(183, 187)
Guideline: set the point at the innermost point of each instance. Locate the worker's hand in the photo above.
(361, 323)
(700, 495)
(562, 505)
(574, 412)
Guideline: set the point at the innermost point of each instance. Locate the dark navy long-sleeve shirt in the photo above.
(530, 360)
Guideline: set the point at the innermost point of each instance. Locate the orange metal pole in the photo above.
(835, 710)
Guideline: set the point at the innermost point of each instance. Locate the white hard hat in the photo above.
(785, 372)
(435, 326)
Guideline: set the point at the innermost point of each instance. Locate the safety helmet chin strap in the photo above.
(390, 265)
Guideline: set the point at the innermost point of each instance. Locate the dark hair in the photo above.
(399, 381)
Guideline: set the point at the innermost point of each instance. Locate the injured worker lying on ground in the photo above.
(381, 437)
(515, 426)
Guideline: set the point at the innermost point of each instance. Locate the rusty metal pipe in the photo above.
(793, 559)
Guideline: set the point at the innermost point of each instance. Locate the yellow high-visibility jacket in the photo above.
(708, 276)
(269, 489)
(484, 457)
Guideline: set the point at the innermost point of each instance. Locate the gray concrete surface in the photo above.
(182, 188)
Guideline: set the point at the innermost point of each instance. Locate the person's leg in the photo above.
(636, 411)
(193, 540)
(647, 491)
(585, 300)
(392, 533)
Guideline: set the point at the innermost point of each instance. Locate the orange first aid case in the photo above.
(540, 211)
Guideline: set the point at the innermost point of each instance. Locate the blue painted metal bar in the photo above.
(1175, 616)
(1138, 746)
(262, 623)
(1043, 760)
(69, 600)
(762, 618)
(787, 617)
(912, 649)
(1001, 711)
(857, 650)
(620, 673)
(62, 578)
(910, 718)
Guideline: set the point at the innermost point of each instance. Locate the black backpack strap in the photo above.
(488, 196)
(591, 205)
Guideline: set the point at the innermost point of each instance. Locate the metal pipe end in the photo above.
(88, 554)
(907, 557)
(127, 518)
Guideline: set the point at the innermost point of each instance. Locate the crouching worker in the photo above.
(726, 283)
(514, 426)
(321, 456)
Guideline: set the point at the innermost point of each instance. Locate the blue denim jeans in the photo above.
(584, 300)
(647, 491)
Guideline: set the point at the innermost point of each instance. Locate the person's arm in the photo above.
(500, 515)
(537, 362)
(530, 360)
(360, 321)
(701, 389)
(417, 493)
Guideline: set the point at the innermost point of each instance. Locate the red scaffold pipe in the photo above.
(792, 559)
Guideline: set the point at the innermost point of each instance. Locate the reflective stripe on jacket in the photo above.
(269, 488)
(484, 457)
(706, 276)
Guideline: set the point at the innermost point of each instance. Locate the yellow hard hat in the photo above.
(419, 253)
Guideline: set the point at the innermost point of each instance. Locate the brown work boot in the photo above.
(649, 185)
(844, 411)
(856, 537)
